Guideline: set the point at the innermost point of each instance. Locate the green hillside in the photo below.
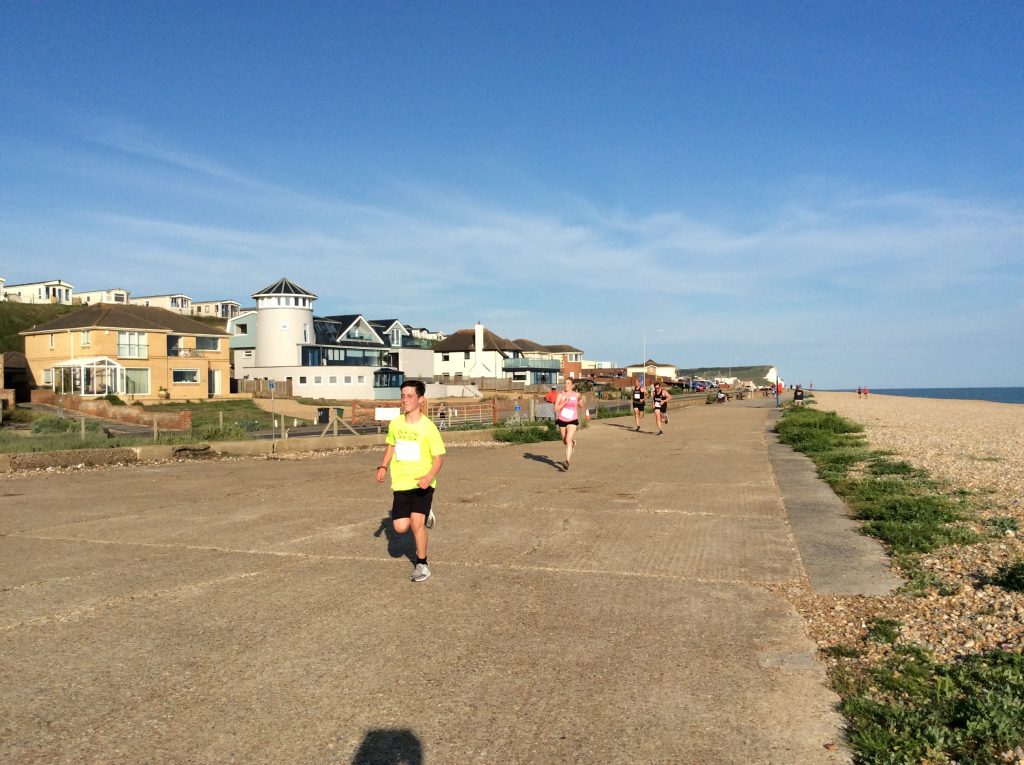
(15, 317)
(755, 374)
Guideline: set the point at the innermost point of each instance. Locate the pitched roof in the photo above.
(564, 349)
(531, 346)
(283, 287)
(120, 316)
(465, 340)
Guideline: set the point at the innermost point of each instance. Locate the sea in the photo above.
(1000, 395)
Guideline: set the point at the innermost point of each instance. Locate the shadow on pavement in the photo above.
(398, 544)
(543, 458)
(389, 747)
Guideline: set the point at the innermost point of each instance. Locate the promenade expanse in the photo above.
(260, 610)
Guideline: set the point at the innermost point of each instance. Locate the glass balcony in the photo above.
(536, 365)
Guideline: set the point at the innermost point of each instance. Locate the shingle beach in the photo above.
(973, 445)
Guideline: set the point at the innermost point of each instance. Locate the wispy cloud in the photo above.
(442, 257)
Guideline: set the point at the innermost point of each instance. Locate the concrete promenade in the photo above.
(260, 610)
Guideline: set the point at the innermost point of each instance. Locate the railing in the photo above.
(185, 353)
(539, 365)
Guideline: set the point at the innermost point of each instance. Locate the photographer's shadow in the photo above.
(389, 747)
(398, 544)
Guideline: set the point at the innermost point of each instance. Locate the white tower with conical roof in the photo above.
(284, 324)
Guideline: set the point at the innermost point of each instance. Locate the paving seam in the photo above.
(373, 559)
(74, 613)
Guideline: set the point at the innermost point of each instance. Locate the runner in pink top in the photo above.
(567, 416)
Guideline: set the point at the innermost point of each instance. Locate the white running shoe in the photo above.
(429, 523)
(420, 573)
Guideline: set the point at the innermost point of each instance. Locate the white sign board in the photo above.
(386, 413)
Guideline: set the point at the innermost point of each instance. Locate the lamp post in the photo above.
(643, 361)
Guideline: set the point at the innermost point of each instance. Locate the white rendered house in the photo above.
(51, 291)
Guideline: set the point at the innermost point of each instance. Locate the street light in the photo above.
(643, 380)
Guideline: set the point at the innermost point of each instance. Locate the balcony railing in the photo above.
(185, 353)
(536, 365)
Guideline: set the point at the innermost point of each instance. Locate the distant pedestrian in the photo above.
(798, 396)
(639, 398)
(442, 417)
(865, 391)
(416, 452)
(661, 399)
(567, 411)
(860, 392)
(552, 395)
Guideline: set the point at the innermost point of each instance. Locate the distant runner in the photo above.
(567, 414)
(661, 399)
(639, 397)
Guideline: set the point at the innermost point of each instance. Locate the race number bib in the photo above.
(407, 451)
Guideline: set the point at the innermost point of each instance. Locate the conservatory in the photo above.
(92, 376)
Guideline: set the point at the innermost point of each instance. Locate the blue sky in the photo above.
(833, 188)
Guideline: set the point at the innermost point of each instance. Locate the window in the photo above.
(444, 357)
(132, 345)
(48, 377)
(136, 381)
(348, 379)
(305, 333)
(51, 341)
(333, 379)
(207, 343)
(85, 338)
(466, 355)
(317, 380)
(185, 376)
(361, 379)
(247, 354)
(302, 381)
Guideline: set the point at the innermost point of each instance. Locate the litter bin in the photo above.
(323, 415)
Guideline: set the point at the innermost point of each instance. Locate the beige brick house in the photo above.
(137, 352)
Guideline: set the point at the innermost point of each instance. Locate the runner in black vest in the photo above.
(639, 395)
(661, 399)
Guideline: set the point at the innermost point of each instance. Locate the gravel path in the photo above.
(972, 445)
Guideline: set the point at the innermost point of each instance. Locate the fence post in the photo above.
(83, 427)
(220, 417)
(494, 410)
(156, 429)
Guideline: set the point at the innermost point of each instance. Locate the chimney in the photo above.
(478, 350)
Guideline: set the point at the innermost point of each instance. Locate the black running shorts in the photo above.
(412, 501)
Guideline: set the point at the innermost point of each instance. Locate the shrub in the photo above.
(528, 434)
(1011, 577)
(51, 424)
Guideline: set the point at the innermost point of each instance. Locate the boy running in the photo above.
(418, 452)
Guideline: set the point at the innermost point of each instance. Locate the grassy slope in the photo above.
(755, 373)
(15, 317)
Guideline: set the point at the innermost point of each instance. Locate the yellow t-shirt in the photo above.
(416, 445)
